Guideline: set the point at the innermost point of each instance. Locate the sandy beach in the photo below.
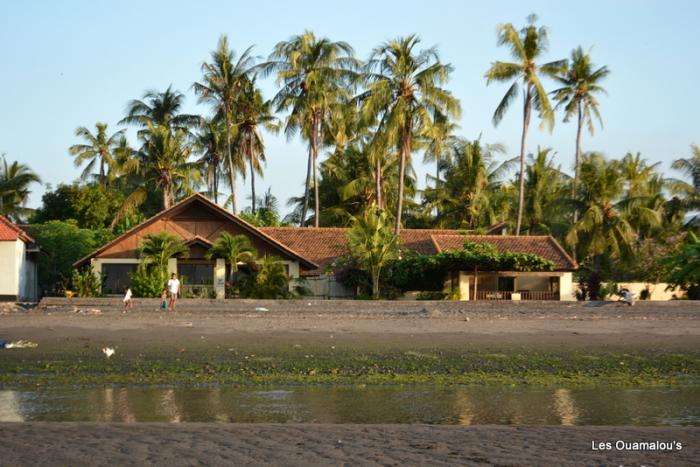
(47, 444)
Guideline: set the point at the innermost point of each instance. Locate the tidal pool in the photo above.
(459, 405)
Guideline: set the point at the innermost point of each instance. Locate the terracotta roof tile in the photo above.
(10, 232)
(541, 245)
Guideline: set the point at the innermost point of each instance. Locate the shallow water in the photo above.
(394, 404)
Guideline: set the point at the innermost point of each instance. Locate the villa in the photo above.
(18, 263)
(309, 253)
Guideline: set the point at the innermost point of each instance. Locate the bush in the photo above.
(148, 281)
(85, 283)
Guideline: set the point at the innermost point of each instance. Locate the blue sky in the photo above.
(72, 63)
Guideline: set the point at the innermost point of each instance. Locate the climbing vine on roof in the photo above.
(428, 272)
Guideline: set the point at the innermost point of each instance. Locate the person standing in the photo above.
(128, 301)
(173, 290)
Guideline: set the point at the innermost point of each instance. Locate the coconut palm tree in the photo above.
(270, 279)
(234, 249)
(315, 75)
(690, 191)
(373, 244)
(471, 179)
(254, 113)
(404, 93)
(223, 81)
(160, 108)
(157, 249)
(546, 194)
(439, 140)
(580, 82)
(15, 179)
(602, 228)
(209, 143)
(98, 150)
(526, 47)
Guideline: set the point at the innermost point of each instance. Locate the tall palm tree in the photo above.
(160, 108)
(223, 81)
(471, 178)
(234, 249)
(98, 150)
(603, 227)
(440, 138)
(546, 194)
(315, 75)
(580, 83)
(210, 145)
(254, 113)
(15, 179)
(526, 47)
(404, 93)
(373, 244)
(690, 191)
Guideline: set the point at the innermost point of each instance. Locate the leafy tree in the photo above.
(315, 75)
(685, 267)
(99, 149)
(690, 191)
(15, 180)
(404, 93)
(372, 244)
(64, 243)
(85, 283)
(580, 83)
(89, 205)
(267, 213)
(223, 81)
(234, 249)
(526, 47)
(546, 193)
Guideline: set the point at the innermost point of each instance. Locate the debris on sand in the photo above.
(87, 311)
(20, 344)
(108, 351)
(261, 308)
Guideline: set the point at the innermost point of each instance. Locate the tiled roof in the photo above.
(322, 245)
(541, 245)
(10, 232)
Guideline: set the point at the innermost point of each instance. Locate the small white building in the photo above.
(18, 264)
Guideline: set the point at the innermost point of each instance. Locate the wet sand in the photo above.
(39, 444)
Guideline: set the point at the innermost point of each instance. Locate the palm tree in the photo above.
(526, 47)
(209, 143)
(580, 84)
(100, 149)
(471, 179)
(254, 113)
(160, 108)
(689, 167)
(603, 227)
(270, 280)
(440, 138)
(15, 179)
(404, 93)
(223, 81)
(315, 76)
(157, 249)
(545, 194)
(373, 244)
(234, 249)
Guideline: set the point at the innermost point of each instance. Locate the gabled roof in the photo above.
(11, 232)
(323, 245)
(219, 210)
(540, 245)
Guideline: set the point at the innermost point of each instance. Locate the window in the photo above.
(196, 274)
(116, 277)
(506, 284)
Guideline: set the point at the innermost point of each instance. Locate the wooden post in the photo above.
(475, 281)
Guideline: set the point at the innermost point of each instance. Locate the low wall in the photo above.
(658, 291)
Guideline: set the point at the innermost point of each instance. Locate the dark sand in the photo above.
(79, 444)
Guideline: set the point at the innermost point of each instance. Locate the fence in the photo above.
(325, 287)
(507, 296)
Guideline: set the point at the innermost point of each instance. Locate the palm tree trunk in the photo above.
(378, 183)
(405, 151)
(577, 168)
(305, 208)
(375, 284)
(251, 156)
(166, 197)
(317, 204)
(231, 169)
(523, 139)
(102, 172)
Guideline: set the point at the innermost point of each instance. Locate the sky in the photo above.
(73, 63)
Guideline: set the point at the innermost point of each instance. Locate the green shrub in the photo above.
(148, 281)
(85, 283)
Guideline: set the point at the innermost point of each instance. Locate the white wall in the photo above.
(658, 291)
(9, 268)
